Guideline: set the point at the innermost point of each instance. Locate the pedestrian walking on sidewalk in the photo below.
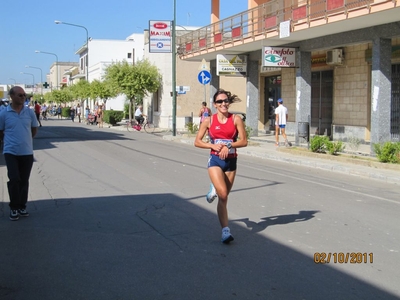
(227, 132)
(37, 109)
(72, 113)
(78, 112)
(100, 115)
(281, 117)
(59, 112)
(205, 112)
(18, 126)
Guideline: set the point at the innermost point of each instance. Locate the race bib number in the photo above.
(224, 141)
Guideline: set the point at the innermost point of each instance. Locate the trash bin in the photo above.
(304, 130)
(188, 120)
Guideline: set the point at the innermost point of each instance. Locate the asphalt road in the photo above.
(122, 215)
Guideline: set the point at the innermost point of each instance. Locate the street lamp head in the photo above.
(27, 66)
(57, 22)
(37, 51)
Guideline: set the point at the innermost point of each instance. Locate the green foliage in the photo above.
(81, 90)
(318, 143)
(38, 98)
(133, 80)
(102, 90)
(321, 144)
(389, 152)
(113, 116)
(334, 147)
(65, 112)
(248, 131)
(59, 96)
(126, 110)
(192, 127)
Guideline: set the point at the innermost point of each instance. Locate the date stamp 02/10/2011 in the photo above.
(343, 257)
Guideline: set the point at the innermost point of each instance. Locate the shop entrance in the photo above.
(321, 102)
(272, 92)
(395, 105)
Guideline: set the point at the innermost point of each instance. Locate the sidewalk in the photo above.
(358, 163)
(352, 162)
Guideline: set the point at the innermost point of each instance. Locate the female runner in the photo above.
(227, 132)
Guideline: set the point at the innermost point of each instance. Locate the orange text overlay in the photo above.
(343, 258)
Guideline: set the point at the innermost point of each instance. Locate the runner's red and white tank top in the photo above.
(223, 133)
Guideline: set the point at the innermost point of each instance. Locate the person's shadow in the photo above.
(303, 215)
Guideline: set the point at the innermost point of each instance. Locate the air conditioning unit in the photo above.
(334, 57)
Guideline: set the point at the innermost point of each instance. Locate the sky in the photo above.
(27, 26)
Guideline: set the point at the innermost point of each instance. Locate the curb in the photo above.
(368, 169)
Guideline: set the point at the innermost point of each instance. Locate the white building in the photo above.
(102, 53)
(190, 93)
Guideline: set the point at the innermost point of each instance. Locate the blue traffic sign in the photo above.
(204, 77)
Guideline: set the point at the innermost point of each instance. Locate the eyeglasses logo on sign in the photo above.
(273, 58)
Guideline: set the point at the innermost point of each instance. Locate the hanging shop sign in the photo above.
(279, 57)
(233, 65)
(160, 37)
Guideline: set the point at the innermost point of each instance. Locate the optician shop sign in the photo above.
(160, 37)
(279, 57)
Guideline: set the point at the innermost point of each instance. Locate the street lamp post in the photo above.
(41, 78)
(57, 70)
(15, 82)
(174, 72)
(87, 44)
(33, 76)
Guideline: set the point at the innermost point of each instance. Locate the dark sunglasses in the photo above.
(222, 101)
(21, 95)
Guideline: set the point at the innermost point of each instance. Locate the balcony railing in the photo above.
(263, 22)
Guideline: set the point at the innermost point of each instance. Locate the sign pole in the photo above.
(174, 73)
(205, 93)
(204, 77)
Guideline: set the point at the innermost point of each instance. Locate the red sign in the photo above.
(160, 25)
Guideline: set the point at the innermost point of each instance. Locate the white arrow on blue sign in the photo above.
(204, 77)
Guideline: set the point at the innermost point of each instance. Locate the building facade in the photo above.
(345, 78)
(101, 54)
(190, 92)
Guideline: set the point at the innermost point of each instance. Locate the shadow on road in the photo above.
(302, 216)
(157, 246)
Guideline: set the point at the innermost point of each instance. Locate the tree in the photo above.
(102, 90)
(59, 96)
(81, 90)
(135, 81)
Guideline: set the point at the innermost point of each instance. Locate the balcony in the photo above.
(257, 27)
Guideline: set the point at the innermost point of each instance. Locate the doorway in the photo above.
(272, 92)
(321, 102)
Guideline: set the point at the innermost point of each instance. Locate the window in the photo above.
(129, 55)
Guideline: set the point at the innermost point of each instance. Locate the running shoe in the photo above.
(23, 213)
(14, 215)
(212, 194)
(226, 236)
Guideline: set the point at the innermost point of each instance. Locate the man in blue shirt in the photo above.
(18, 126)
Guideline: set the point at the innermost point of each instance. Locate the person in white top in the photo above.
(78, 112)
(139, 116)
(281, 116)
